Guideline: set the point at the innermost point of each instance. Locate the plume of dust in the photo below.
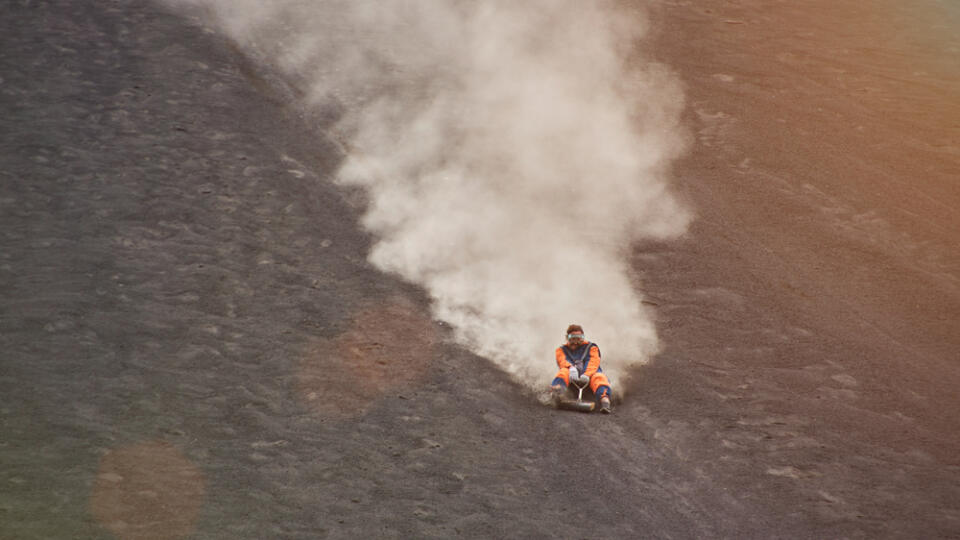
(511, 152)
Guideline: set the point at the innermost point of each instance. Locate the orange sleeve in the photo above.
(594, 360)
(562, 359)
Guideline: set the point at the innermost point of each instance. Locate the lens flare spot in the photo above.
(146, 491)
(388, 347)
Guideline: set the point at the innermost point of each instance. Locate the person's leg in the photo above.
(600, 385)
(601, 388)
(560, 383)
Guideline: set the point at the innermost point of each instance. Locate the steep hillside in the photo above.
(195, 346)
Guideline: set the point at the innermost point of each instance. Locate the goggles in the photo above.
(574, 336)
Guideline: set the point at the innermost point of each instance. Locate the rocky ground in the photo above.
(179, 277)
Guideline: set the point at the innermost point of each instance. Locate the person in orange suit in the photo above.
(579, 362)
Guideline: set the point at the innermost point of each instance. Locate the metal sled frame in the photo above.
(579, 404)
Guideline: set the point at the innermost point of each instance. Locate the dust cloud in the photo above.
(511, 152)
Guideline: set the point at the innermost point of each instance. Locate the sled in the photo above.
(567, 401)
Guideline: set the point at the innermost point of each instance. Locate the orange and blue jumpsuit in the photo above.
(586, 358)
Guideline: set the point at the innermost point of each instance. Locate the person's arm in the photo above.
(594, 364)
(562, 359)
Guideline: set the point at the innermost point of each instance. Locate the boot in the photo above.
(605, 404)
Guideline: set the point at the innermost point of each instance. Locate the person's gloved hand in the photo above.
(583, 380)
(574, 374)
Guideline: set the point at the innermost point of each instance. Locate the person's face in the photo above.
(575, 339)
